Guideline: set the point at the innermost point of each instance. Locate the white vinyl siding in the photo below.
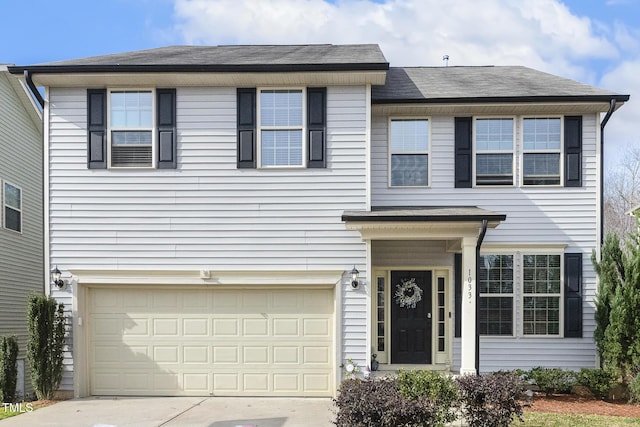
(536, 215)
(208, 214)
(20, 253)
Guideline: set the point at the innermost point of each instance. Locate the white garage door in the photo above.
(251, 342)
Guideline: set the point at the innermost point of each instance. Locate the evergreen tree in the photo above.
(617, 333)
(46, 323)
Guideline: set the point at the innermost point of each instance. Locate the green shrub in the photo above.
(490, 400)
(8, 368)
(552, 380)
(634, 389)
(598, 381)
(439, 388)
(378, 403)
(46, 324)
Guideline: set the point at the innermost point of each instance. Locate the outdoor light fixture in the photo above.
(55, 278)
(354, 278)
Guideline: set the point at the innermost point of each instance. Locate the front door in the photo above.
(411, 317)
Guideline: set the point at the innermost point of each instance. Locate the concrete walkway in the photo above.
(180, 411)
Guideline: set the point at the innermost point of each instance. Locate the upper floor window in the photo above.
(409, 152)
(494, 142)
(131, 128)
(541, 139)
(281, 128)
(12, 201)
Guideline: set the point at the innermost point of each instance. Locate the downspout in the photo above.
(483, 231)
(612, 107)
(32, 87)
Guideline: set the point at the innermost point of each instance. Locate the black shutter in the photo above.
(246, 128)
(317, 127)
(573, 295)
(457, 267)
(167, 150)
(97, 128)
(463, 152)
(573, 151)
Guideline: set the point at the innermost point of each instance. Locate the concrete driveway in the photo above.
(180, 411)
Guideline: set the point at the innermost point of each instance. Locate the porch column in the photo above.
(468, 335)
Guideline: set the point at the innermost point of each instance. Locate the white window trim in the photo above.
(427, 152)
(303, 128)
(512, 152)
(518, 287)
(152, 129)
(4, 206)
(524, 151)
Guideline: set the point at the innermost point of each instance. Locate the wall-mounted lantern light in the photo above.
(56, 279)
(354, 278)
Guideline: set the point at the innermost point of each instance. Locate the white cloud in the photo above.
(542, 34)
(623, 131)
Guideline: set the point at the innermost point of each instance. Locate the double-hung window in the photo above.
(12, 202)
(494, 142)
(409, 152)
(281, 120)
(541, 139)
(131, 128)
(525, 283)
(495, 281)
(541, 294)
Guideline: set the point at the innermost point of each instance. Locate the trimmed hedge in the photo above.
(552, 380)
(378, 403)
(433, 385)
(490, 400)
(8, 368)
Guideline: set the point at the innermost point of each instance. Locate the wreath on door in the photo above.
(408, 293)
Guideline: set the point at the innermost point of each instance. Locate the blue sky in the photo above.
(594, 41)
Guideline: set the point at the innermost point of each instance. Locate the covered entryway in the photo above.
(200, 342)
(435, 241)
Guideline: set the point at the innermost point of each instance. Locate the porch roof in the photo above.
(448, 223)
(424, 214)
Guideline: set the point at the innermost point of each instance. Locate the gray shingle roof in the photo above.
(258, 57)
(489, 83)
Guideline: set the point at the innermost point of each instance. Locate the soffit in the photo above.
(210, 79)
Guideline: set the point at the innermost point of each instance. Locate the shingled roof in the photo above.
(482, 84)
(317, 57)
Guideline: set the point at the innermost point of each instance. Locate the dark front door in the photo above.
(411, 327)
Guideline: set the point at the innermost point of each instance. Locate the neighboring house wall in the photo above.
(21, 253)
(207, 213)
(536, 216)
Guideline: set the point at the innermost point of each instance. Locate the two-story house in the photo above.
(21, 213)
(245, 220)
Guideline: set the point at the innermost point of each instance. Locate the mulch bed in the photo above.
(573, 404)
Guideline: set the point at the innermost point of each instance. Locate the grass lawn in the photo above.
(532, 419)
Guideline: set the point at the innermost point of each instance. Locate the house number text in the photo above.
(469, 279)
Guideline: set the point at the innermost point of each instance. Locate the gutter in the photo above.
(483, 231)
(612, 107)
(32, 87)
